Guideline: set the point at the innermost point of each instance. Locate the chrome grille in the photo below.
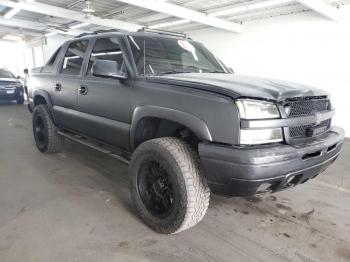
(304, 107)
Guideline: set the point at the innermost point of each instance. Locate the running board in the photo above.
(101, 147)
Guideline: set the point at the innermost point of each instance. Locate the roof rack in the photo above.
(143, 29)
(100, 32)
(162, 32)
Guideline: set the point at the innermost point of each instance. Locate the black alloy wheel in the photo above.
(45, 132)
(156, 189)
(40, 133)
(168, 186)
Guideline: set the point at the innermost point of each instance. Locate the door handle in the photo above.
(83, 90)
(58, 87)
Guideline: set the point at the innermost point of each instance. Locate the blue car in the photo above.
(11, 88)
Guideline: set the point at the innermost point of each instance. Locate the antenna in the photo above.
(144, 57)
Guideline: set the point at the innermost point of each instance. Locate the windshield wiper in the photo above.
(216, 72)
(174, 72)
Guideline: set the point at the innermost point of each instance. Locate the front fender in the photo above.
(197, 125)
(45, 95)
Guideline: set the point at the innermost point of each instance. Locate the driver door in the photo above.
(104, 103)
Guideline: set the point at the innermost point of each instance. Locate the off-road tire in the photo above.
(192, 191)
(52, 142)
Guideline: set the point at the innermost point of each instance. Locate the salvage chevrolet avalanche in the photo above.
(183, 121)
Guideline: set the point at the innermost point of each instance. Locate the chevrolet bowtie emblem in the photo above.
(318, 118)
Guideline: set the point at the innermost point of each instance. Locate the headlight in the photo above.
(250, 109)
(256, 109)
(261, 136)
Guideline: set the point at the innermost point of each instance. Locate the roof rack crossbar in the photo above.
(100, 32)
(144, 29)
(162, 32)
(83, 34)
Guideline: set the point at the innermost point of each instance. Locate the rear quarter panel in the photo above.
(40, 82)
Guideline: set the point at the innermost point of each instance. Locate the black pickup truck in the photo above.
(183, 121)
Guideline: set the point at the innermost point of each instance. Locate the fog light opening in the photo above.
(293, 180)
(331, 148)
(264, 188)
(289, 179)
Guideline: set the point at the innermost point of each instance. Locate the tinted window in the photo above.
(6, 74)
(73, 60)
(106, 49)
(49, 65)
(162, 55)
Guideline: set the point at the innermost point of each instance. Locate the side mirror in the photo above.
(231, 70)
(107, 68)
(18, 77)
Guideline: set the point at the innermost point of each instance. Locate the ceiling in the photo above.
(28, 23)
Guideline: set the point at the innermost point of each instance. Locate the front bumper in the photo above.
(247, 171)
(14, 95)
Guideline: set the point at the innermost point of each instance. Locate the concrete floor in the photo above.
(75, 206)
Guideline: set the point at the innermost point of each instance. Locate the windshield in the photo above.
(6, 74)
(155, 55)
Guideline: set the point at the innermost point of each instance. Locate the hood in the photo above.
(240, 86)
(9, 81)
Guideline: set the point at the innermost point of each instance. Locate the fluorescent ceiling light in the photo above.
(30, 1)
(177, 22)
(229, 11)
(270, 3)
(79, 25)
(243, 8)
(12, 12)
(12, 38)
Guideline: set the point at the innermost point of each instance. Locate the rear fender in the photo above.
(43, 94)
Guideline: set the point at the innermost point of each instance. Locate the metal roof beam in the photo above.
(323, 9)
(20, 31)
(186, 14)
(70, 14)
(40, 27)
(22, 24)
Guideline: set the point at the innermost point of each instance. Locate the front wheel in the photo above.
(20, 98)
(168, 186)
(20, 101)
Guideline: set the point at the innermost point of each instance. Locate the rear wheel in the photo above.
(45, 134)
(168, 187)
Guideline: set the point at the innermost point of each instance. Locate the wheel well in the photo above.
(151, 128)
(39, 100)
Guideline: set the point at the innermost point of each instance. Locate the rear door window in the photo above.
(74, 58)
(106, 49)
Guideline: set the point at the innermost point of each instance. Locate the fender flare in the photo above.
(197, 125)
(45, 94)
